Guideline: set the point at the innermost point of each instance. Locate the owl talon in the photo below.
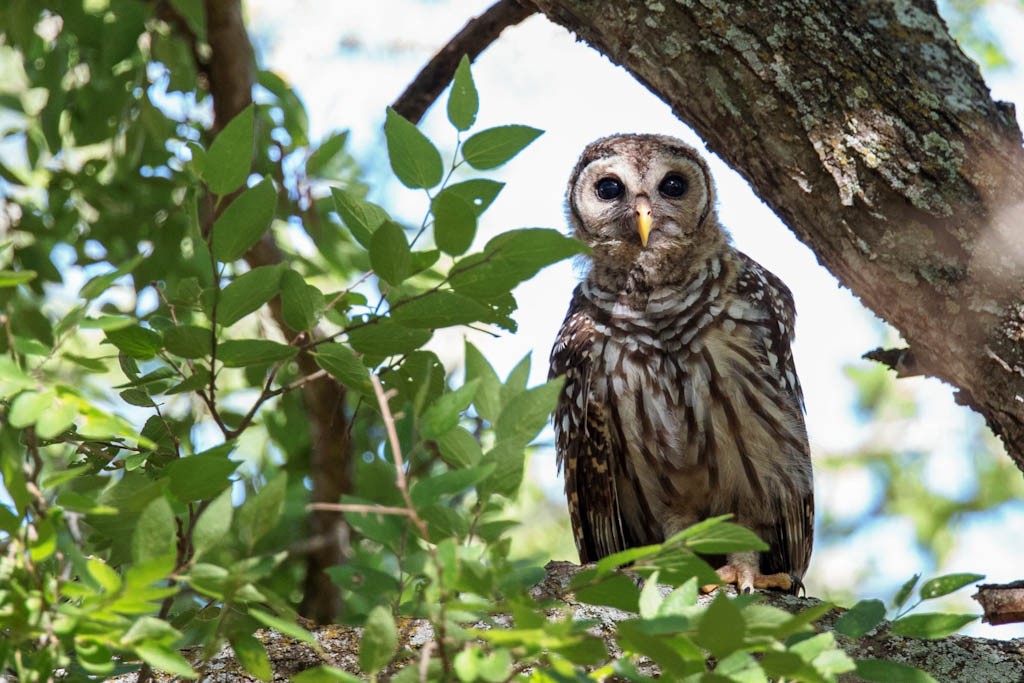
(746, 579)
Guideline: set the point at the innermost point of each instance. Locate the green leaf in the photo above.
(295, 119)
(325, 674)
(58, 417)
(209, 579)
(244, 221)
(230, 156)
(108, 579)
(99, 284)
(429, 490)
(414, 159)
(459, 448)
(135, 341)
(439, 309)
(390, 257)
(511, 258)
(721, 629)
(526, 414)
(247, 293)
(454, 222)
(488, 396)
(94, 657)
(493, 147)
(617, 590)
(608, 564)
(723, 537)
(508, 458)
(325, 153)
(289, 628)
(931, 625)
(213, 525)
(260, 513)
(680, 599)
(517, 379)
(634, 638)
(28, 406)
(201, 476)
(883, 671)
(386, 338)
(301, 303)
(238, 353)
(650, 597)
(467, 664)
(904, 592)
(861, 618)
(443, 414)
(166, 659)
(155, 533)
(380, 638)
(194, 382)
(361, 217)
(251, 655)
(188, 341)
(13, 278)
(342, 364)
(463, 101)
(479, 193)
(944, 585)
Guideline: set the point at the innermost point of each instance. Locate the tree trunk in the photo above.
(231, 74)
(872, 135)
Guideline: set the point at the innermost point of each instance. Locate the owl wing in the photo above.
(583, 442)
(792, 536)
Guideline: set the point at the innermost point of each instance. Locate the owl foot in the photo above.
(746, 577)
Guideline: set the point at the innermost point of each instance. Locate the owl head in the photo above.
(644, 203)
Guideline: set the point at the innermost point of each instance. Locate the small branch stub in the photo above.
(1003, 603)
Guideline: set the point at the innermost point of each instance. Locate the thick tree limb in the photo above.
(958, 659)
(875, 139)
(471, 41)
(231, 70)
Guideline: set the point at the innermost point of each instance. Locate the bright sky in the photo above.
(349, 60)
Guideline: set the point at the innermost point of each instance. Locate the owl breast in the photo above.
(680, 380)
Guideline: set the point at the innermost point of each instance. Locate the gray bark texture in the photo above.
(958, 659)
(870, 133)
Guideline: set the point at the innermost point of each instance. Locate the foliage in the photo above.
(154, 448)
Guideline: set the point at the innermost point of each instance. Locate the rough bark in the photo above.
(871, 134)
(231, 74)
(1003, 603)
(958, 659)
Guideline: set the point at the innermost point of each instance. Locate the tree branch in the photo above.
(872, 135)
(1003, 604)
(957, 659)
(471, 41)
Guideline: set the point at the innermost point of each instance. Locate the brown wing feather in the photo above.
(583, 442)
(792, 537)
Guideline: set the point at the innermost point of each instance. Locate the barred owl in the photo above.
(681, 400)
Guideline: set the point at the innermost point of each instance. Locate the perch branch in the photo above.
(473, 39)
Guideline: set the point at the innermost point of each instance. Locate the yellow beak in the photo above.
(643, 218)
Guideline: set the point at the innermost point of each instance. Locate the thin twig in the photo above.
(470, 41)
(402, 484)
(396, 453)
(360, 508)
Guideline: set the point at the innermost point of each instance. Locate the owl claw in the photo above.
(746, 578)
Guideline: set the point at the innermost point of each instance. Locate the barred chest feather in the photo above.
(700, 402)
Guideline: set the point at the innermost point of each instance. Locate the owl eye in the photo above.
(673, 185)
(609, 188)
